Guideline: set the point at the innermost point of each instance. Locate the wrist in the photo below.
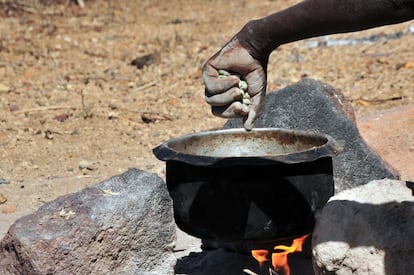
(255, 38)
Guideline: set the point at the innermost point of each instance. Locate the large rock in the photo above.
(123, 225)
(367, 230)
(390, 133)
(315, 106)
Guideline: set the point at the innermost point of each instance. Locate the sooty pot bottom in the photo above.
(256, 203)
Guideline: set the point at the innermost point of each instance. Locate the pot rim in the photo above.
(330, 148)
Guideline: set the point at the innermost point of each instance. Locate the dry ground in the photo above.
(69, 96)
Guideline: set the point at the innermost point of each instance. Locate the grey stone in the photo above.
(123, 225)
(315, 106)
(367, 230)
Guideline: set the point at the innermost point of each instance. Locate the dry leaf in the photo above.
(150, 117)
(3, 198)
(145, 60)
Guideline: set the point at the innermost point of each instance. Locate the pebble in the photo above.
(8, 208)
(411, 28)
(75, 132)
(4, 181)
(86, 166)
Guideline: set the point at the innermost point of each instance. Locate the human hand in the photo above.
(223, 93)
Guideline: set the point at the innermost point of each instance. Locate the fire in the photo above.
(260, 256)
(280, 259)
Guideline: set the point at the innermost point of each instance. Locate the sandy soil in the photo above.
(71, 99)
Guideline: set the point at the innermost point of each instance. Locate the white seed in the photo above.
(223, 73)
(243, 85)
(246, 98)
(246, 101)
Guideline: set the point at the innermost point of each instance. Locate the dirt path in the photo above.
(69, 97)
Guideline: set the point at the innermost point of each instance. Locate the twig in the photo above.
(117, 116)
(375, 101)
(149, 117)
(145, 86)
(85, 176)
(247, 271)
(128, 120)
(23, 7)
(80, 3)
(86, 110)
(44, 108)
(55, 64)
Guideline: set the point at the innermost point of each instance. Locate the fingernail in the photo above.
(248, 126)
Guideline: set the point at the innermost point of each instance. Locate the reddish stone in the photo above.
(390, 134)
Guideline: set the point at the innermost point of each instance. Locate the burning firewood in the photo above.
(279, 259)
(248, 271)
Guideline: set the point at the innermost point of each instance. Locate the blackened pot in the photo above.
(260, 185)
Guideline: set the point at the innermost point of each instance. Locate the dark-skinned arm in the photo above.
(246, 54)
(322, 17)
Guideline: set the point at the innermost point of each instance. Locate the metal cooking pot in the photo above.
(259, 185)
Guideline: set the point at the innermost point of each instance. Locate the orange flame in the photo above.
(260, 256)
(280, 259)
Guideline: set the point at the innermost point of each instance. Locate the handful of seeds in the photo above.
(242, 86)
